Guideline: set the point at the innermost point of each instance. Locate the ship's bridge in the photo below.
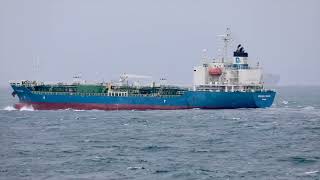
(235, 74)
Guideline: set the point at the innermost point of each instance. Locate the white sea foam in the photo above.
(9, 108)
(308, 108)
(96, 110)
(78, 110)
(27, 108)
(285, 102)
(311, 172)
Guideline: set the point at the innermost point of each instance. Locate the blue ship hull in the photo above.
(190, 99)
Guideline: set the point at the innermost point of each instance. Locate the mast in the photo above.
(226, 39)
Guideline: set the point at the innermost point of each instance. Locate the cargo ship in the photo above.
(222, 83)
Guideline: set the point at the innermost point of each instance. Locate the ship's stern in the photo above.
(264, 99)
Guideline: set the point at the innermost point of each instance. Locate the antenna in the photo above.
(204, 56)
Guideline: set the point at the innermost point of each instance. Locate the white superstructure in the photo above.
(228, 74)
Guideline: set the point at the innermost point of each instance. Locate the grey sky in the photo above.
(102, 39)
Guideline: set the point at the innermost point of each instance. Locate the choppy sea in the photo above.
(281, 142)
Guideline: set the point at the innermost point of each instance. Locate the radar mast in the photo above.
(226, 39)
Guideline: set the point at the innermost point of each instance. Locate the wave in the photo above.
(311, 172)
(27, 108)
(82, 110)
(154, 148)
(308, 108)
(161, 171)
(12, 108)
(9, 108)
(135, 168)
(300, 160)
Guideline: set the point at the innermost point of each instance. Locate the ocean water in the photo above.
(281, 142)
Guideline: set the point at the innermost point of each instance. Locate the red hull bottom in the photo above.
(59, 106)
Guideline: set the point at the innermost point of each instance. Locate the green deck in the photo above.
(91, 88)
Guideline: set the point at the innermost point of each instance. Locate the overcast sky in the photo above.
(101, 39)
